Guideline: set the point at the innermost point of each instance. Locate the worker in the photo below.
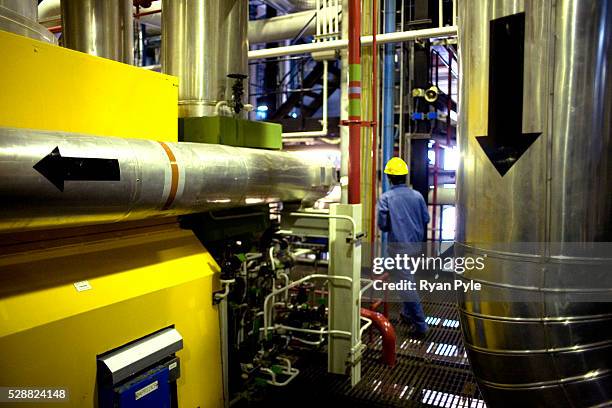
(403, 215)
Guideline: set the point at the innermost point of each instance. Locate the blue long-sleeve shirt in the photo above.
(402, 213)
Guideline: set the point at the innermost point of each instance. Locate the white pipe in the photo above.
(287, 370)
(366, 40)
(271, 256)
(287, 287)
(226, 289)
(401, 36)
(286, 278)
(369, 284)
(323, 131)
(323, 14)
(337, 19)
(293, 136)
(446, 196)
(365, 326)
(323, 330)
(218, 107)
(327, 216)
(301, 251)
(298, 49)
(317, 8)
(440, 14)
(283, 27)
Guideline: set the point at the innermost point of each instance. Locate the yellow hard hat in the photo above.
(396, 167)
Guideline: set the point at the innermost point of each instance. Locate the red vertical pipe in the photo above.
(434, 203)
(449, 101)
(354, 114)
(386, 331)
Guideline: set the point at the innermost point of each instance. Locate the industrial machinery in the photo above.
(281, 295)
(159, 249)
(534, 196)
(109, 296)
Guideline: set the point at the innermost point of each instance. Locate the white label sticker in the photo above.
(146, 390)
(82, 285)
(172, 366)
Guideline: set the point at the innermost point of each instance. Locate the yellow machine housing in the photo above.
(144, 276)
(53, 88)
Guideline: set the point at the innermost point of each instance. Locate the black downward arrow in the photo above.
(58, 169)
(506, 142)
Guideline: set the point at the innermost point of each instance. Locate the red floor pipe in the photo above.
(387, 332)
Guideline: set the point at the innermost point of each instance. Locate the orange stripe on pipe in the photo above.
(175, 176)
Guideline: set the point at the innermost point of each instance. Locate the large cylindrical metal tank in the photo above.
(534, 195)
(203, 42)
(54, 179)
(103, 28)
(21, 17)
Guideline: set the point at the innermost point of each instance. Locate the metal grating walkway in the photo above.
(433, 372)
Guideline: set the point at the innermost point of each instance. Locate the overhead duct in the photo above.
(49, 11)
(203, 42)
(99, 27)
(52, 179)
(534, 192)
(444, 196)
(291, 6)
(282, 28)
(21, 17)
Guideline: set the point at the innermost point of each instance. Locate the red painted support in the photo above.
(354, 114)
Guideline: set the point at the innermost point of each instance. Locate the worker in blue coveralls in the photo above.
(403, 215)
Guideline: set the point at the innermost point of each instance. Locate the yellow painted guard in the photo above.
(142, 278)
(50, 333)
(49, 87)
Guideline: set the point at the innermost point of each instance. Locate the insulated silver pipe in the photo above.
(99, 27)
(203, 42)
(53, 179)
(21, 17)
(25, 8)
(285, 27)
(291, 6)
(366, 40)
(534, 194)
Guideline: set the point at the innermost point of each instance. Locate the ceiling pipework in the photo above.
(21, 17)
(291, 6)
